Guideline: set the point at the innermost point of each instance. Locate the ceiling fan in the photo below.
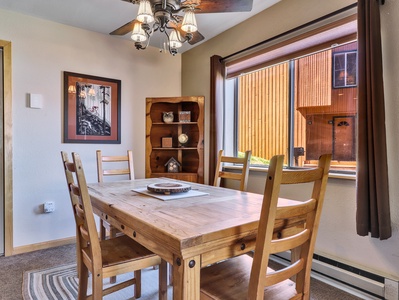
(166, 16)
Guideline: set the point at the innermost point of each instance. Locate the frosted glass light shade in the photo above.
(72, 89)
(92, 92)
(138, 34)
(189, 23)
(145, 14)
(174, 41)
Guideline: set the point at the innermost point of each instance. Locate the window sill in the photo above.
(264, 170)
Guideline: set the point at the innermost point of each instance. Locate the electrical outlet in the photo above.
(48, 207)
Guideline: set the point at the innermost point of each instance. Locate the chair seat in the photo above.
(123, 249)
(229, 280)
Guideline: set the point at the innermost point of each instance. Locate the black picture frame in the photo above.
(92, 109)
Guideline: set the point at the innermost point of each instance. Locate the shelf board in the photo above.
(175, 123)
(173, 173)
(175, 148)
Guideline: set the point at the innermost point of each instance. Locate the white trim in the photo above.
(356, 284)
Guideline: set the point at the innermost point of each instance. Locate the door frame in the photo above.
(6, 125)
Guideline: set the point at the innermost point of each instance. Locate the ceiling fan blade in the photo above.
(197, 37)
(132, 1)
(211, 6)
(128, 27)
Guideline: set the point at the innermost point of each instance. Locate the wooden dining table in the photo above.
(208, 224)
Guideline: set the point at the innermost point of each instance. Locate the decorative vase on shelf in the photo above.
(168, 117)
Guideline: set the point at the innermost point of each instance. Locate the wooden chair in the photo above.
(127, 159)
(122, 165)
(242, 176)
(104, 258)
(292, 227)
(102, 172)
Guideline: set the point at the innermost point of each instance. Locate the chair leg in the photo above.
(163, 280)
(170, 274)
(137, 286)
(97, 287)
(103, 231)
(295, 255)
(112, 234)
(83, 274)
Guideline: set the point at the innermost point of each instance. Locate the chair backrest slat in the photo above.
(301, 176)
(286, 273)
(289, 242)
(297, 210)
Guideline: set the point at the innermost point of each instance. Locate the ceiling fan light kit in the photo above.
(145, 14)
(189, 22)
(163, 16)
(166, 16)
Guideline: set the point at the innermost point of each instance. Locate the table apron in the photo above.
(231, 247)
(146, 241)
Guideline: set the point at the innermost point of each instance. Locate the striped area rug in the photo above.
(61, 283)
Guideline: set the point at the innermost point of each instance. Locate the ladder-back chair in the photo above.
(240, 176)
(125, 167)
(293, 227)
(104, 258)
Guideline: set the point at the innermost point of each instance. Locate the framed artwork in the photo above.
(92, 109)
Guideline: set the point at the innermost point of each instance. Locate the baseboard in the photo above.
(42, 246)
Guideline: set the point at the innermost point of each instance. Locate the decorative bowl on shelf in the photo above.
(168, 188)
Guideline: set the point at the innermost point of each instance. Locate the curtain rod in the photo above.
(294, 29)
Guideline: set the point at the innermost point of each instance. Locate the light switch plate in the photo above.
(35, 101)
(48, 207)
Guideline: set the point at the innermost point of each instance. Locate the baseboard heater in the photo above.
(361, 283)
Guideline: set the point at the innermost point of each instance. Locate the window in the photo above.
(296, 94)
(345, 69)
(302, 107)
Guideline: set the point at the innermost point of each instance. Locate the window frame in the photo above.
(268, 53)
(345, 70)
(291, 115)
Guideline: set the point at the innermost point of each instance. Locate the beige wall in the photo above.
(41, 51)
(337, 236)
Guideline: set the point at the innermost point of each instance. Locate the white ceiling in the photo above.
(104, 16)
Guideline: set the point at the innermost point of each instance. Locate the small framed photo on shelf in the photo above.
(166, 142)
(184, 116)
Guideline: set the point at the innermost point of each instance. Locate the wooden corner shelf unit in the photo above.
(191, 155)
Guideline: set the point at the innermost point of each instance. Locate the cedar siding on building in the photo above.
(325, 116)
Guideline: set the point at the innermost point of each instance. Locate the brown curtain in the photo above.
(372, 215)
(216, 113)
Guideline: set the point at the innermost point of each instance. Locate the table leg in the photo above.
(163, 280)
(186, 278)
